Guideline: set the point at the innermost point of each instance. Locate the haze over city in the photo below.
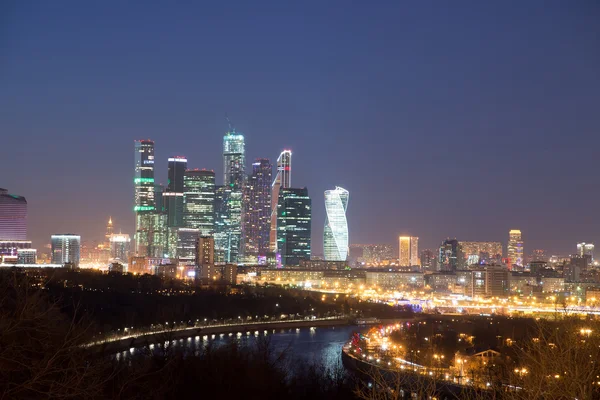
(441, 121)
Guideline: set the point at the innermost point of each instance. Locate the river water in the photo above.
(321, 345)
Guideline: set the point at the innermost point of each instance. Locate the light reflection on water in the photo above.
(321, 345)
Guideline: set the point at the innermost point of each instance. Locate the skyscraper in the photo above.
(198, 200)
(450, 256)
(294, 216)
(187, 239)
(283, 179)
(335, 234)
(227, 231)
(65, 248)
(257, 211)
(13, 216)
(234, 177)
(173, 195)
(515, 248)
(144, 194)
(234, 160)
(409, 250)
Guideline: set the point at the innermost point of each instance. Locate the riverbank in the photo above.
(115, 346)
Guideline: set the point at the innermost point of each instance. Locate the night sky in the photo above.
(461, 119)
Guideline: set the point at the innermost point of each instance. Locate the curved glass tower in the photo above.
(335, 236)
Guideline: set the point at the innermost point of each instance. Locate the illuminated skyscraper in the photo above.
(198, 199)
(13, 216)
(283, 179)
(257, 211)
(294, 216)
(409, 251)
(234, 160)
(173, 196)
(515, 248)
(144, 194)
(228, 215)
(585, 249)
(187, 241)
(65, 248)
(481, 252)
(335, 234)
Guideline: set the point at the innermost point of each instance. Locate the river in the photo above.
(320, 345)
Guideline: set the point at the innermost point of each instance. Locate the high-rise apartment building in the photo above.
(481, 252)
(335, 234)
(283, 180)
(144, 206)
(515, 248)
(408, 251)
(199, 200)
(256, 226)
(205, 257)
(65, 249)
(294, 216)
(119, 246)
(429, 260)
(173, 195)
(13, 216)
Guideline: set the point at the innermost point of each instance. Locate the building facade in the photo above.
(144, 205)
(481, 252)
(228, 228)
(199, 200)
(515, 251)
(283, 180)
(256, 227)
(449, 256)
(65, 249)
(335, 234)
(294, 216)
(408, 251)
(119, 246)
(173, 195)
(13, 216)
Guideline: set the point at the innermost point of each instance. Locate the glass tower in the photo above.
(198, 200)
(144, 194)
(228, 216)
(173, 196)
(294, 225)
(257, 211)
(283, 179)
(234, 159)
(335, 234)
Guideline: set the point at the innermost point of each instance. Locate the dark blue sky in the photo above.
(461, 119)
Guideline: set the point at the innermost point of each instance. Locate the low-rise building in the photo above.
(394, 280)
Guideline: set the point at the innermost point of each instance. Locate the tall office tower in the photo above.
(13, 216)
(109, 230)
(585, 249)
(120, 246)
(228, 216)
(159, 204)
(335, 234)
(294, 216)
(283, 179)
(450, 255)
(409, 251)
(428, 260)
(157, 236)
(256, 227)
(187, 239)
(144, 194)
(481, 252)
(173, 195)
(65, 248)
(234, 160)
(198, 200)
(515, 248)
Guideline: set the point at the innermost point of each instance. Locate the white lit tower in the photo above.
(283, 180)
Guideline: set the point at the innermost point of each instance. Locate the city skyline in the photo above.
(434, 78)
